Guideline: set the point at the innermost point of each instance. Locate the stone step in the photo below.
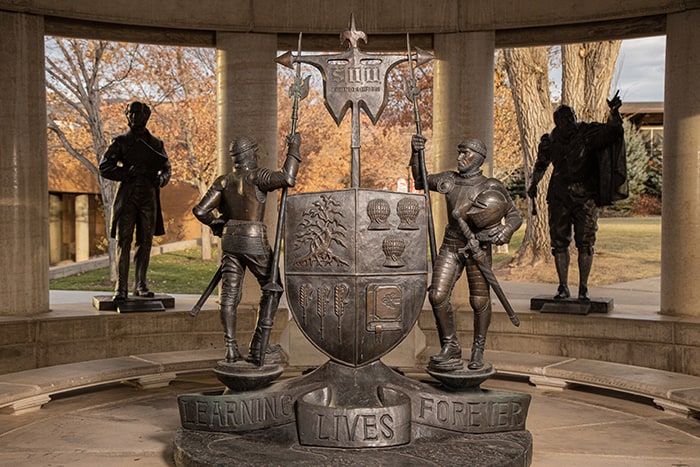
(30, 389)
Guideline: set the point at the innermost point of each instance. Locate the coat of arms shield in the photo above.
(355, 269)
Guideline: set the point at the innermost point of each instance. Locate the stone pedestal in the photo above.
(372, 415)
(574, 306)
(159, 302)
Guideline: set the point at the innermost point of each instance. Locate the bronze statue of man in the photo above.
(137, 160)
(476, 204)
(234, 207)
(589, 170)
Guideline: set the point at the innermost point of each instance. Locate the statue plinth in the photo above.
(572, 306)
(159, 302)
(349, 410)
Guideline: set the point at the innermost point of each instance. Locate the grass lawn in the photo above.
(177, 272)
(626, 249)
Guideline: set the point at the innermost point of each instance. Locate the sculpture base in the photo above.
(279, 446)
(465, 378)
(159, 302)
(573, 306)
(341, 412)
(244, 376)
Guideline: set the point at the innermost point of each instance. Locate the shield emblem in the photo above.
(356, 269)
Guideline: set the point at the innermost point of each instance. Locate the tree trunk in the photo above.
(573, 77)
(587, 73)
(107, 191)
(529, 80)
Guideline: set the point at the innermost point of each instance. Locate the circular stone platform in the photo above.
(279, 446)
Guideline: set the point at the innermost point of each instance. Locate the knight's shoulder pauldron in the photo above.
(444, 181)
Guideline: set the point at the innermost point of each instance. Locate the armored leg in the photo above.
(446, 271)
(585, 261)
(480, 301)
(561, 262)
(482, 320)
(450, 356)
(231, 279)
(268, 307)
(228, 320)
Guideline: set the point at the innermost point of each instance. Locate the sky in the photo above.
(639, 71)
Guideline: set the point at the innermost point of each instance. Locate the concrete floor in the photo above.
(121, 425)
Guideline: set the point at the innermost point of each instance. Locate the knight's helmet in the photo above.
(243, 152)
(475, 145)
(489, 207)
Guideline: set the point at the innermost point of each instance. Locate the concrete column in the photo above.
(463, 101)
(82, 228)
(55, 228)
(247, 99)
(24, 201)
(680, 239)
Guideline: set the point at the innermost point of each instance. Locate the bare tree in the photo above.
(588, 71)
(180, 83)
(79, 74)
(529, 80)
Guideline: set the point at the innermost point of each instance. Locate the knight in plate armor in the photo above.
(234, 207)
(476, 206)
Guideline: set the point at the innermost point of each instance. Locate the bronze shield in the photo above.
(356, 269)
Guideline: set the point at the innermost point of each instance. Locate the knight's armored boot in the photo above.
(228, 319)
(232, 352)
(482, 321)
(273, 354)
(561, 262)
(476, 361)
(585, 261)
(450, 356)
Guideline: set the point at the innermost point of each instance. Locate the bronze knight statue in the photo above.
(589, 170)
(234, 207)
(138, 161)
(475, 205)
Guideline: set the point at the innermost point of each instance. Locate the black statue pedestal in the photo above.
(159, 302)
(341, 415)
(572, 306)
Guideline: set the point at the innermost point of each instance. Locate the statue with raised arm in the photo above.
(234, 207)
(589, 171)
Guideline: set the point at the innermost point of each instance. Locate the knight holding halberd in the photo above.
(476, 204)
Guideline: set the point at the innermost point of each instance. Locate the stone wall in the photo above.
(665, 344)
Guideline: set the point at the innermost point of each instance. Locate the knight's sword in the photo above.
(486, 270)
